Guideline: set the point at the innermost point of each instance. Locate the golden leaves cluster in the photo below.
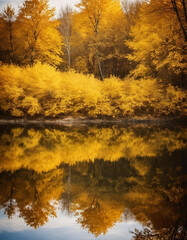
(41, 90)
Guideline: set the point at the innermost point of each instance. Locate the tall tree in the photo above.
(39, 39)
(66, 15)
(93, 11)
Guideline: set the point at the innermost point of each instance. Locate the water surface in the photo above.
(93, 182)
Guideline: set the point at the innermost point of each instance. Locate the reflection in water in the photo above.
(100, 175)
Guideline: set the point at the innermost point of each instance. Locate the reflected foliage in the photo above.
(101, 175)
(45, 149)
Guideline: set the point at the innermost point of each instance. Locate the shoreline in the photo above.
(85, 121)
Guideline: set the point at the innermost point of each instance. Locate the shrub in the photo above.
(42, 90)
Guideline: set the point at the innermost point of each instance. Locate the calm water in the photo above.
(106, 182)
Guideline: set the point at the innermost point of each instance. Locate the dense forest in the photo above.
(103, 58)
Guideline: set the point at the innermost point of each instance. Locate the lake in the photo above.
(105, 182)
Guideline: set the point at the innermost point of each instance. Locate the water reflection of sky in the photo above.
(63, 227)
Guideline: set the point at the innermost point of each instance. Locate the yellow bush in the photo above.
(42, 90)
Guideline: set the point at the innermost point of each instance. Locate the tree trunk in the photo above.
(11, 60)
(184, 70)
(69, 57)
(99, 65)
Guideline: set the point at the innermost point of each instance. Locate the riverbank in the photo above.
(87, 121)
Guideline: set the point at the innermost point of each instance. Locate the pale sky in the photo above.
(53, 3)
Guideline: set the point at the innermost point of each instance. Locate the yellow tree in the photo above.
(101, 29)
(39, 39)
(92, 12)
(177, 10)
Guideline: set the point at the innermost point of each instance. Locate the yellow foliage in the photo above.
(156, 40)
(41, 90)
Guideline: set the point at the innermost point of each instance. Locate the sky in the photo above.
(53, 3)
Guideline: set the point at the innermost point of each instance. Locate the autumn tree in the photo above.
(104, 32)
(115, 30)
(38, 37)
(7, 34)
(178, 9)
(158, 44)
(92, 11)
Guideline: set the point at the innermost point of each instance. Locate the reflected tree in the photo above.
(67, 194)
(7, 195)
(34, 196)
